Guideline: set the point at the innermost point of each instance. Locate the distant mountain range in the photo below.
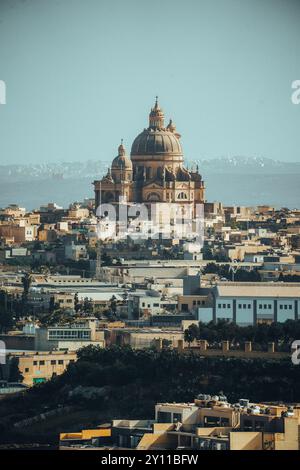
(60, 170)
(93, 168)
(232, 180)
(246, 165)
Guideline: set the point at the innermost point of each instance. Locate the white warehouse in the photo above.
(248, 303)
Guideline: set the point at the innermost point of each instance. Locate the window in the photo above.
(219, 305)
(290, 307)
(285, 307)
(26, 369)
(269, 306)
(42, 363)
(224, 305)
(240, 305)
(244, 306)
(248, 426)
(215, 421)
(249, 305)
(53, 363)
(228, 305)
(164, 417)
(69, 334)
(260, 305)
(280, 306)
(60, 362)
(177, 417)
(258, 425)
(35, 363)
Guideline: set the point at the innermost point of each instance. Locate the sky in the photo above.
(82, 74)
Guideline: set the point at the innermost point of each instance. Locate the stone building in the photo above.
(154, 172)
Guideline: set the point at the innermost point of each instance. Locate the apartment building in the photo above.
(149, 302)
(69, 337)
(38, 367)
(64, 300)
(17, 233)
(211, 423)
(191, 303)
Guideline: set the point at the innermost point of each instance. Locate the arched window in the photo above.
(153, 197)
(182, 196)
(109, 197)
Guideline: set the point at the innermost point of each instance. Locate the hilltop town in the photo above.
(71, 291)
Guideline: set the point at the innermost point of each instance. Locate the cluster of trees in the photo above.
(240, 274)
(13, 306)
(135, 375)
(281, 333)
(135, 380)
(288, 278)
(6, 320)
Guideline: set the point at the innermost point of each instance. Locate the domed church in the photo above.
(154, 172)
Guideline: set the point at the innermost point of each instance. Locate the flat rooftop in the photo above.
(258, 289)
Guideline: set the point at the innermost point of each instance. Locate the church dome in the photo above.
(157, 139)
(121, 161)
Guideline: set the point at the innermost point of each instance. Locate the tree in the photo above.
(6, 321)
(26, 281)
(57, 317)
(87, 305)
(51, 304)
(14, 372)
(191, 333)
(247, 276)
(113, 305)
(166, 343)
(76, 303)
(106, 259)
(262, 334)
(211, 268)
(207, 253)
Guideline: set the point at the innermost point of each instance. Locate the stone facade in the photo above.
(155, 171)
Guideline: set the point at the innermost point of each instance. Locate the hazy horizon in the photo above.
(81, 75)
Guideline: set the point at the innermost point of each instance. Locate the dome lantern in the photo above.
(156, 116)
(121, 150)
